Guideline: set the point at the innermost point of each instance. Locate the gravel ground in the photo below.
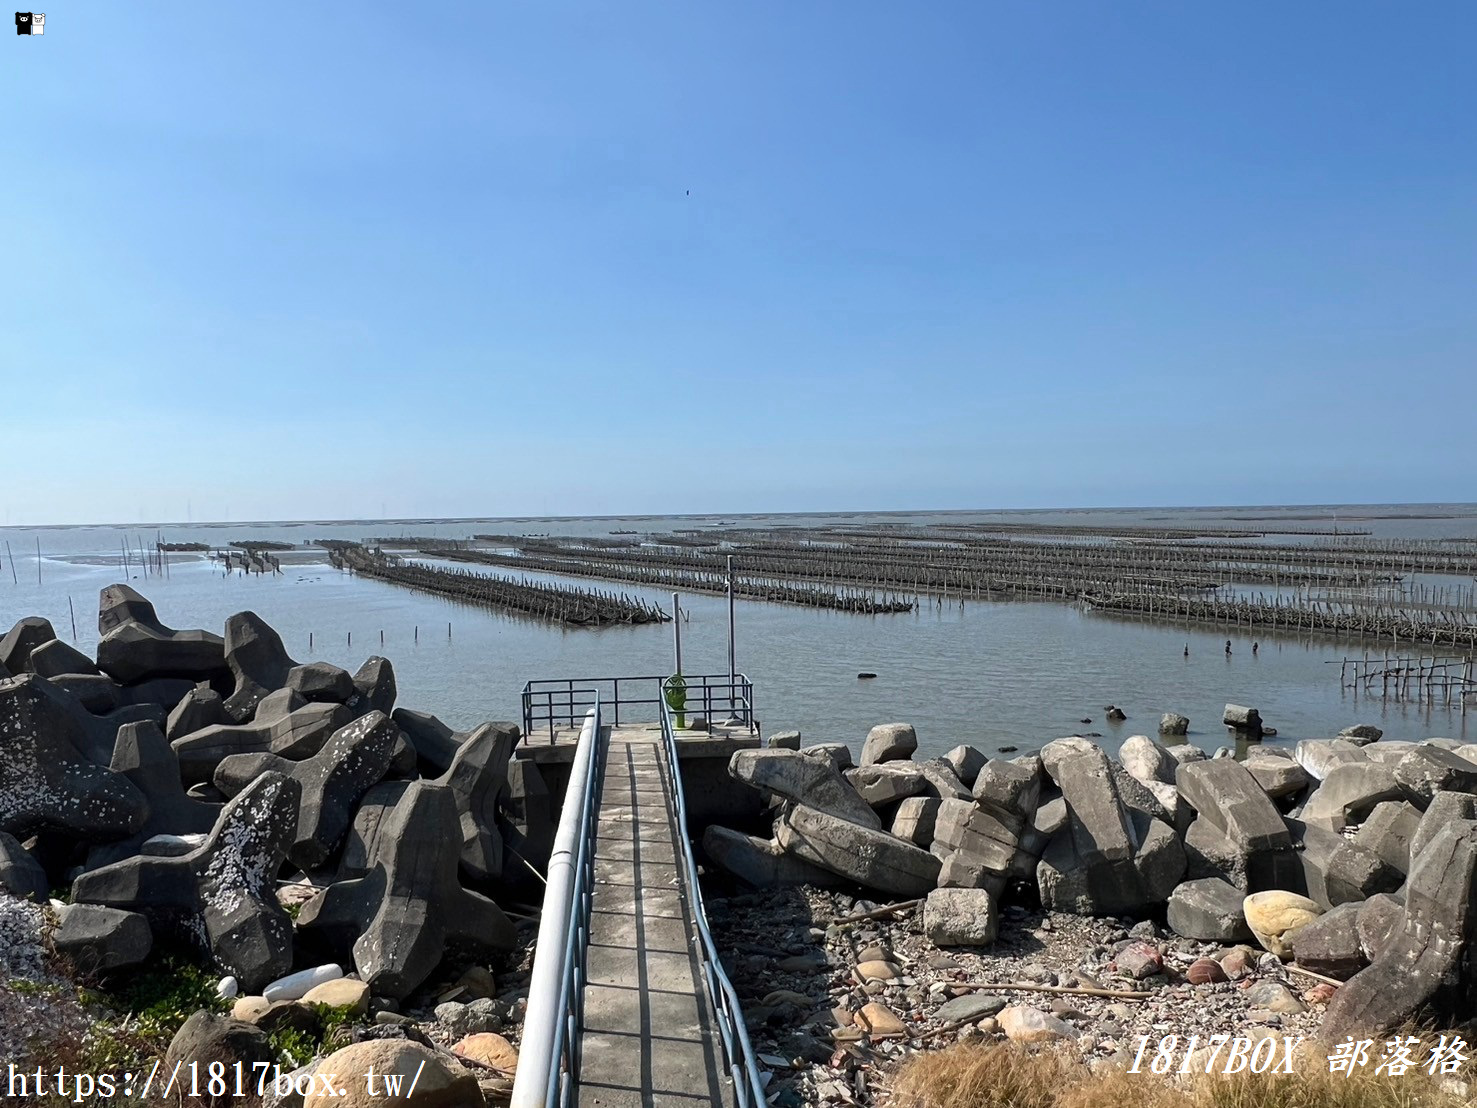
(797, 975)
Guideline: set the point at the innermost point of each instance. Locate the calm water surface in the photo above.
(989, 673)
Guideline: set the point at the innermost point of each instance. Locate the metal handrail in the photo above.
(738, 1051)
(549, 1068)
(548, 702)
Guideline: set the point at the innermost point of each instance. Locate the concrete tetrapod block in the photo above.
(17, 644)
(21, 874)
(762, 862)
(331, 783)
(96, 939)
(889, 742)
(221, 897)
(257, 660)
(398, 920)
(136, 646)
(58, 659)
(813, 782)
(435, 743)
(477, 777)
(374, 685)
(45, 782)
(362, 843)
(298, 734)
(321, 681)
(145, 758)
(867, 856)
(526, 817)
(1425, 968)
(200, 708)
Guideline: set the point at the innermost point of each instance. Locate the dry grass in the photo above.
(1005, 1076)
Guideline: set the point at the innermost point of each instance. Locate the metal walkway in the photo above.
(650, 1033)
(628, 1002)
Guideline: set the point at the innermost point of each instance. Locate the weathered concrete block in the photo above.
(884, 784)
(1242, 718)
(1330, 944)
(960, 917)
(1349, 793)
(527, 816)
(1427, 770)
(435, 743)
(1278, 777)
(1389, 830)
(1172, 723)
(1426, 968)
(950, 821)
(838, 754)
(761, 862)
(1337, 870)
(1443, 808)
(915, 819)
(806, 780)
(964, 871)
(1227, 796)
(1380, 919)
(889, 742)
(21, 640)
(1319, 757)
(1101, 831)
(967, 763)
(867, 856)
(784, 740)
(940, 780)
(1159, 861)
(1209, 910)
(1009, 787)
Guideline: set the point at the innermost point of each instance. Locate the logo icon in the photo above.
(30, 23)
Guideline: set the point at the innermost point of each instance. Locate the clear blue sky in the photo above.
(339, 260)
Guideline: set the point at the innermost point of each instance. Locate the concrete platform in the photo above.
(650, 1036)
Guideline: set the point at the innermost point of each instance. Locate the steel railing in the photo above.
(548, 1073)
(738, 1051)
(550, 703)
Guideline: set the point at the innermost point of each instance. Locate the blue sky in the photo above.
(497, 258)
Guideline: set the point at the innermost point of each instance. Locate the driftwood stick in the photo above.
(1295, 968)
(878, 913)
(1058, 989)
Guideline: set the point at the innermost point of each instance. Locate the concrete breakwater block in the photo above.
(219, 899)
(396, 922)
(867, 856)
(136, 646)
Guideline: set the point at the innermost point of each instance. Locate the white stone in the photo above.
(296, 985)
